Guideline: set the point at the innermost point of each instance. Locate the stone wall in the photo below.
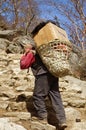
(16, 89)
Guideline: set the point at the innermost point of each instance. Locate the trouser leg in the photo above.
(40, 92)
(56, 100)
(57, 106)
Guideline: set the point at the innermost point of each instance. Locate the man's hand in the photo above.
(33, 51)
(27, 50)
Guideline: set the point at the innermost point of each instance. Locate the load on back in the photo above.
(55, 50)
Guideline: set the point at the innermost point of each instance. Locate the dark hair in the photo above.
(42, 24)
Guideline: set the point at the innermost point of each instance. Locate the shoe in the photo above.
(41, 120)
(62, 126)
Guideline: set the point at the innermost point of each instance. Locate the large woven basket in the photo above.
(55, 56)
(58, 54)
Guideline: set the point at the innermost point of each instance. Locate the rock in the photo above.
(23, 39)
(77, 103)
(4, 43)
(74, 85)
(16, 106)
(40, 126)
(72, 114)
(21, 115)
(5, 124)
(9, 34)
(79, 126)
(4, 105)
(14, 48)
(82, 64)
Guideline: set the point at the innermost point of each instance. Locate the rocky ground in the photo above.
(16, 89)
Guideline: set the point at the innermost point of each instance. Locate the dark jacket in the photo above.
(38, 67)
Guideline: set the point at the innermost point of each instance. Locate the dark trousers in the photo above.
(47, 85)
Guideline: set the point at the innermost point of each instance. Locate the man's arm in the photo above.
(27, 60)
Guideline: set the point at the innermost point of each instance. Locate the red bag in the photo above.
(27, 60)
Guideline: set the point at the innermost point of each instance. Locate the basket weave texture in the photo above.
(55, 56)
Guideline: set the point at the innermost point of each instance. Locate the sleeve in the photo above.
(27, 60)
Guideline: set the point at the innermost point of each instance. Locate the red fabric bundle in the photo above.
(27, 60)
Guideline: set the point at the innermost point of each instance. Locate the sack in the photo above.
(55, 57)
(27, 60)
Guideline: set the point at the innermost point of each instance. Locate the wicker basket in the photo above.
(55, 56)
(53, 47)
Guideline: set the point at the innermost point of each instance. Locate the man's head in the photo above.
(28, 43)
(28, 47)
